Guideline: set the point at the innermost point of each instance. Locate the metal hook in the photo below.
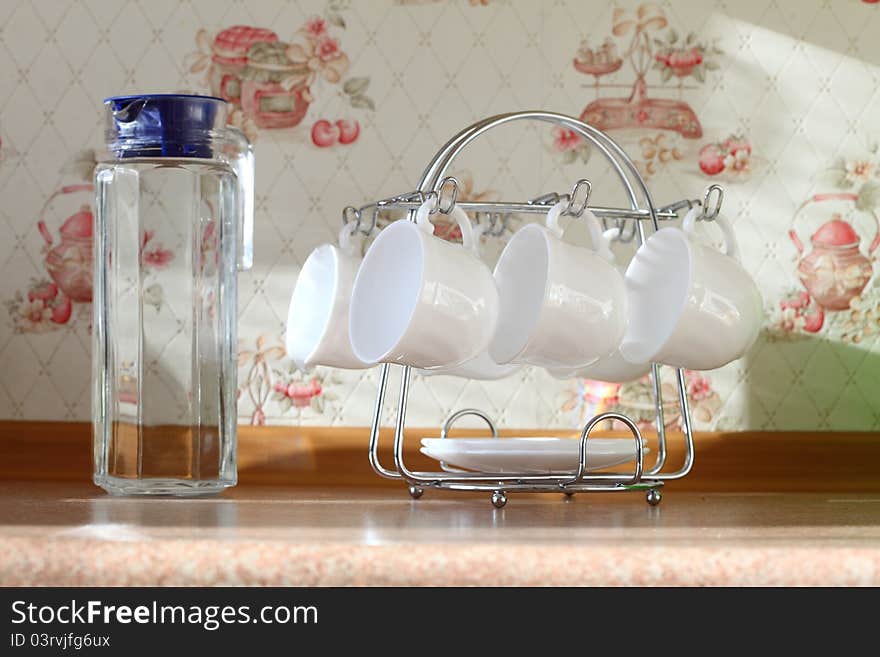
(490, 219)
(716, 209)
(577, 210)
(503, 223)
(349, 214)
(623, 236)
(375, 222)
(445, 184)
(626, 238)
(619, 228)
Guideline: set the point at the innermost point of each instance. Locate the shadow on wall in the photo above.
(811, 383)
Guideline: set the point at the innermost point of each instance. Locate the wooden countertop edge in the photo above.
(334, 456)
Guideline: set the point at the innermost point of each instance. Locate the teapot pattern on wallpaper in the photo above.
(320, 85)
(64, 294)
(836, 234)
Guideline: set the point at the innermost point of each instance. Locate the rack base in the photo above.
(653, 494)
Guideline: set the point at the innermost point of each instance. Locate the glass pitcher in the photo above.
(174, 223)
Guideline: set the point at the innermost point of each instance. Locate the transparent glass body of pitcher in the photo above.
(173, 226)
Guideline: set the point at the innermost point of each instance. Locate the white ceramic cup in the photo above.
(421, 301)
(691, 306)
(317, 318)
(613, 368)
(562, 306)
(481, 368)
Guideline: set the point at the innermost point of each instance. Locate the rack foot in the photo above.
(415, 492)
(568, 494)
(499, 499)
(654, 496)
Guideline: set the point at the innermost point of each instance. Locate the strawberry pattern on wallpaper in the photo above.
(728, 160)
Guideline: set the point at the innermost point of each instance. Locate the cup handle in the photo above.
(346, 237)
(601, 242)
(688, 225)
(468, 238)
(552, 221)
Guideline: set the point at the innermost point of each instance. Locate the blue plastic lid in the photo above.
(163, 125)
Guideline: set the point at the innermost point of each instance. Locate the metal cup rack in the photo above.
(630, 224)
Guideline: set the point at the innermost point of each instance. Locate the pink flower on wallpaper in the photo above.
(859, 171)
(327, 49)
(36, 311)
(565, 139)
(301, 391)
(447, 230)
(156, 257)
(570, 146)
(315, 27)
(698, 386)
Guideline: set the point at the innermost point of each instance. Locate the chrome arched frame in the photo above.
(641, 209)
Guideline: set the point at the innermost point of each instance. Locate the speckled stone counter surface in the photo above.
(64, 534)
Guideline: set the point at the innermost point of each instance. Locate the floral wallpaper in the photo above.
(347, 101)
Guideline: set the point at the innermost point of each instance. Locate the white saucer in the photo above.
(533, 455)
